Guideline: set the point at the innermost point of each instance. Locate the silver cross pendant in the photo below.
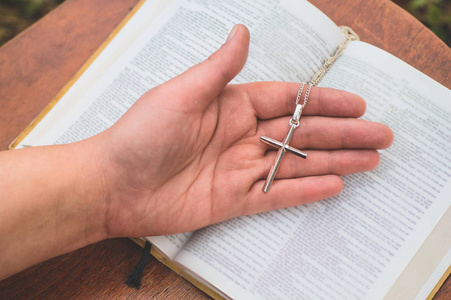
(283, 147)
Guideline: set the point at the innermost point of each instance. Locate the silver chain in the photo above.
(350, 36)
(306, 96)
(301, 89)
(294, 121)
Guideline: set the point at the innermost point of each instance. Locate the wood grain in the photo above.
(97, 272)
(39, 62)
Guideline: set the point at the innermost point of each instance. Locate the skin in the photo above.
(187, 154)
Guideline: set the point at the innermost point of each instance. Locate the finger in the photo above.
(201, 84)
(275, 99)
(336, 162)
(291, 192)
(329, 133)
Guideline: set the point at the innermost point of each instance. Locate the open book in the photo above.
(385, 236)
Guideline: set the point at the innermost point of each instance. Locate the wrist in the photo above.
(90, 189)
(52, 203)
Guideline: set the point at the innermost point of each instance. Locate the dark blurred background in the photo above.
(17, 15)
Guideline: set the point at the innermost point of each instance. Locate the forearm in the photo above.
(51, 203)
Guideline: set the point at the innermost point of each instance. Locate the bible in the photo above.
(386, 236)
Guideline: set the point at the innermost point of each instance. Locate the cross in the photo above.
(283, 147)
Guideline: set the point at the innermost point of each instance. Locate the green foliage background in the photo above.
(17, 15)
(435, 14)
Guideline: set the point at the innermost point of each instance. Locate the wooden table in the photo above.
(36, 65)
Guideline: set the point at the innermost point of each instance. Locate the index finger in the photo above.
(276, 99)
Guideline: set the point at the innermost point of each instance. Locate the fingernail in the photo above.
(232, 33)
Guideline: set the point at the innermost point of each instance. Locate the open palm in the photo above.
(188, 153)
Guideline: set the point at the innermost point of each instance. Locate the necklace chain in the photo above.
(306, 96)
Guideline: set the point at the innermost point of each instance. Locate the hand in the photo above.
(188, 153)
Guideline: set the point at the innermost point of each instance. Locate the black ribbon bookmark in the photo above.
(134, 279)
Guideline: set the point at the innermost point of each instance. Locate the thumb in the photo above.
(197, 87)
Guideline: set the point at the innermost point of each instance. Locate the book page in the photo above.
(414, 177)
(173, 37)
(355, 245)
(289, 41)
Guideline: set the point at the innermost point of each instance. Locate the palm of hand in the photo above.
(203, 176)
(188, 154)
